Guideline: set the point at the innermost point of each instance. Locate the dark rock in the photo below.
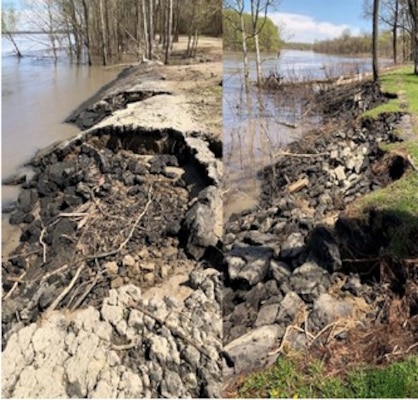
(324, 250)
(16, 217)
(26, 200)
(32, 233)
(46, 187)
(16, 179)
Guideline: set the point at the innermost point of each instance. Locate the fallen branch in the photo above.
(67, 290)
(288, 154)
(15, 285)
(86, 293)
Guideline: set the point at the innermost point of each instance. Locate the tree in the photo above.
(9, 19)
(413, 9)
(258, 7)
(375, 35)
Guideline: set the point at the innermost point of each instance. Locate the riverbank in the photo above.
(308, 270)
(110, 291)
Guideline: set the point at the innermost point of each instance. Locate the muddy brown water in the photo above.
(37, 96)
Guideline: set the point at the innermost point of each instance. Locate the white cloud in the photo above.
(303, 28)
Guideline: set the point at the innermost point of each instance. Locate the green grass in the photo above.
(398, 81)
(399, 199)
(286, 380)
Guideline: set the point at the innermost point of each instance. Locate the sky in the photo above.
(310, 20)
(303, 20)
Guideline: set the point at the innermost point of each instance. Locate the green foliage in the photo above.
(232, 40)
(286, 380)
(352, 45)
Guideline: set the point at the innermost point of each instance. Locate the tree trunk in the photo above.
(413, 9)
(151, 29)
(244, 50)
(258, 59)
(145, 27)
(375, 40)
(395, 32)
(103, 33)
(168, 32)
(17, 51)
(87, 36)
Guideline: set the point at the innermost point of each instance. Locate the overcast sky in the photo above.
(310, 20)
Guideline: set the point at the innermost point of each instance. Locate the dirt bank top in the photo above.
(187, 94)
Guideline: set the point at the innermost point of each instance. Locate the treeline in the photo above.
(102, 31)
(268, 37)
(362, 44)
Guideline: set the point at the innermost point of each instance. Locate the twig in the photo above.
(134, 226)
(286, 333)
(15, 285)
(86, 293)
(285, 153)
(75, 214)
(127, 346)
(322, 331)
(66, 290)
(43, 244)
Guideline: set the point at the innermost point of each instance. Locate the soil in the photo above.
(115, 204)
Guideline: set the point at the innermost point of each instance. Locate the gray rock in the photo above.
(289, 307)
(328, 309)
(279, 270)
(293, 246)
(249, 265)
(267, 315)
(200, 225)
(250, 352)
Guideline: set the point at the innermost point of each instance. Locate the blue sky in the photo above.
(309, 20)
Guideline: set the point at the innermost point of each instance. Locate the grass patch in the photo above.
(403, 82)
(400, 198)
(287, 379)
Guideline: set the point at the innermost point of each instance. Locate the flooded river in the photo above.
(37, 95)
(257, 124)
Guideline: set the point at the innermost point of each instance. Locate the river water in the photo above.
(258, 123)
(37, 95)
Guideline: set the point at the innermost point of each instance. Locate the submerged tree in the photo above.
(9, 19)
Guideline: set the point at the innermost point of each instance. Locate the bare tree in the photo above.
(9, 19)
(375, 35)
(238, 7)
(258, 7)
(169, 25)
(413, 9)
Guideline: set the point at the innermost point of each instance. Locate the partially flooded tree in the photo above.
(259, 7)
(238, 7)
(9, 19)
